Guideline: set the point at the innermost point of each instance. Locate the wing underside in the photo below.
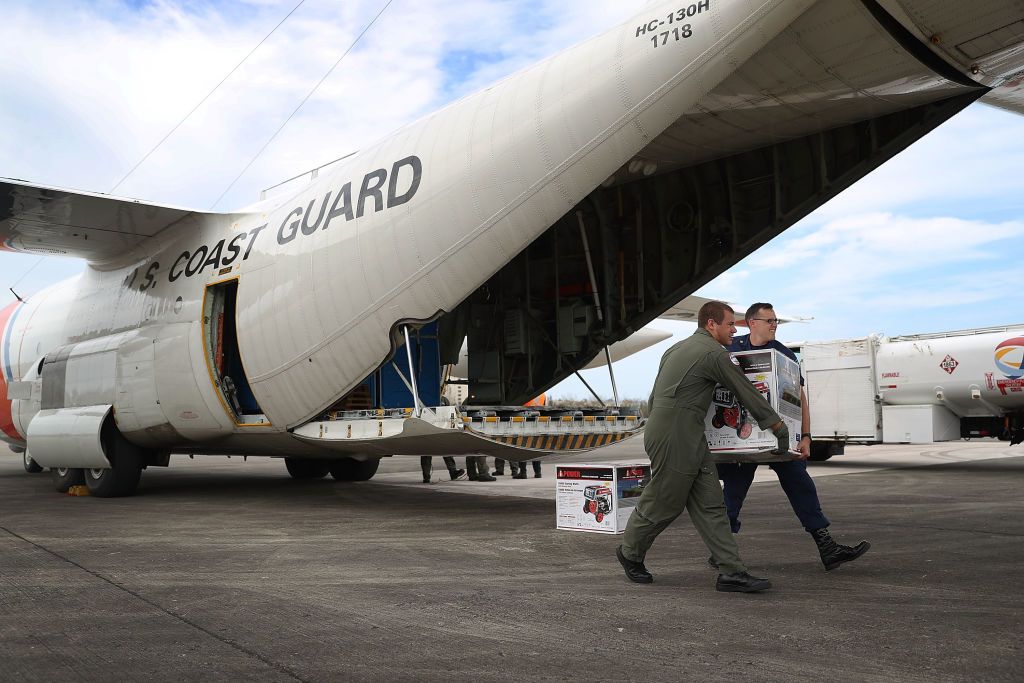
(99, 228)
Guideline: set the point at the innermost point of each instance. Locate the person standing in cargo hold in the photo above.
(682, 471)
(793, 476)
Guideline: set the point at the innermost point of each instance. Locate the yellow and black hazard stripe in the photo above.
(561, 442)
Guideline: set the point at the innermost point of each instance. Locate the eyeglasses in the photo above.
(770, 321)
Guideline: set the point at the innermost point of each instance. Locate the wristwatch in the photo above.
(807, 434)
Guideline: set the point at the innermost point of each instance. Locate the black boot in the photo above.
(521, 472)
(536, 469)
(635, 571)
(477, 466)
(741, 582)
(834, 554)
(499, 468)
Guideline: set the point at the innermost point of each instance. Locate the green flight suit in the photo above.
(683, 475)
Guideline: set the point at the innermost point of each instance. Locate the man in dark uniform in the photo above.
(798, 485)
(682, 471)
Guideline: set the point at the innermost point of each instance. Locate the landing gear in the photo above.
(307, 468)
(66, 477)
(350, 469)
(127, 461)
(31, 466)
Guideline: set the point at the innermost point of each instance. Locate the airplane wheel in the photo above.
(350, 469)
(66, 477)
(306, 468)
(31, 466)
(126, 459)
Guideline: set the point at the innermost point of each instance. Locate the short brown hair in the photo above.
(755, 309)
(713, 310)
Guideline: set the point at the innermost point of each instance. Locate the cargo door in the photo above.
(227, 371)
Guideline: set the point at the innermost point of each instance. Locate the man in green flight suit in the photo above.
(683, 475)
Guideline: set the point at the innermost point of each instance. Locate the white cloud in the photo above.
(104, 84)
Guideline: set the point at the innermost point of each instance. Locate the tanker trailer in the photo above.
(915, 389)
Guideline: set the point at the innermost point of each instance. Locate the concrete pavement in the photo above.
(220, 569)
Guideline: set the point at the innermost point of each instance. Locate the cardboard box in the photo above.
(732, 432)
(598, 498)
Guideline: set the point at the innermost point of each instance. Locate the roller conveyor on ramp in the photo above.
(509, 433)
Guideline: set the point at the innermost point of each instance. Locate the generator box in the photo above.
(599, 497)
(732, 432)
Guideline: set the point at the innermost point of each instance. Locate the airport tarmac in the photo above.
(223, 569)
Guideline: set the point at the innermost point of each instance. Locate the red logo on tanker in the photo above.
(949, 364)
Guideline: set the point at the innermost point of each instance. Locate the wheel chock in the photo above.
(79, 490)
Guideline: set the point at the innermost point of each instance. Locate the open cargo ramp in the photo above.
(510, 434)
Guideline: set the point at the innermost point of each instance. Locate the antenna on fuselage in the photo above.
(23, 276)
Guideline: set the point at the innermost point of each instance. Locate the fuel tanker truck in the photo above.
(918, 388)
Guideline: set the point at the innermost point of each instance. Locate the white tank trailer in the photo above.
(915, 389)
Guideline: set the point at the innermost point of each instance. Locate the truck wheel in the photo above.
(66, 477)
(823, 450)
(306, 468)
(350, 469)
(31, 466)
(126, 459)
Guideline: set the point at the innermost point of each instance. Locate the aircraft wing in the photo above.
(1009, 96)
(99, 228)
(687, 309)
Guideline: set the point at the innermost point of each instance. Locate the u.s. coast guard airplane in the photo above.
(543, 219)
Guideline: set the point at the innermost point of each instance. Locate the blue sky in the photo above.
(929, 242)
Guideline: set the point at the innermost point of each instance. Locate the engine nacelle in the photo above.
(148, 378)
(69, 437)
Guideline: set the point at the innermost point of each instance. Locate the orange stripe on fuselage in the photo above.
(6, 418)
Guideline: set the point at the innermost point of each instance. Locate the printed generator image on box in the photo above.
(598, 498)
(732, 432)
